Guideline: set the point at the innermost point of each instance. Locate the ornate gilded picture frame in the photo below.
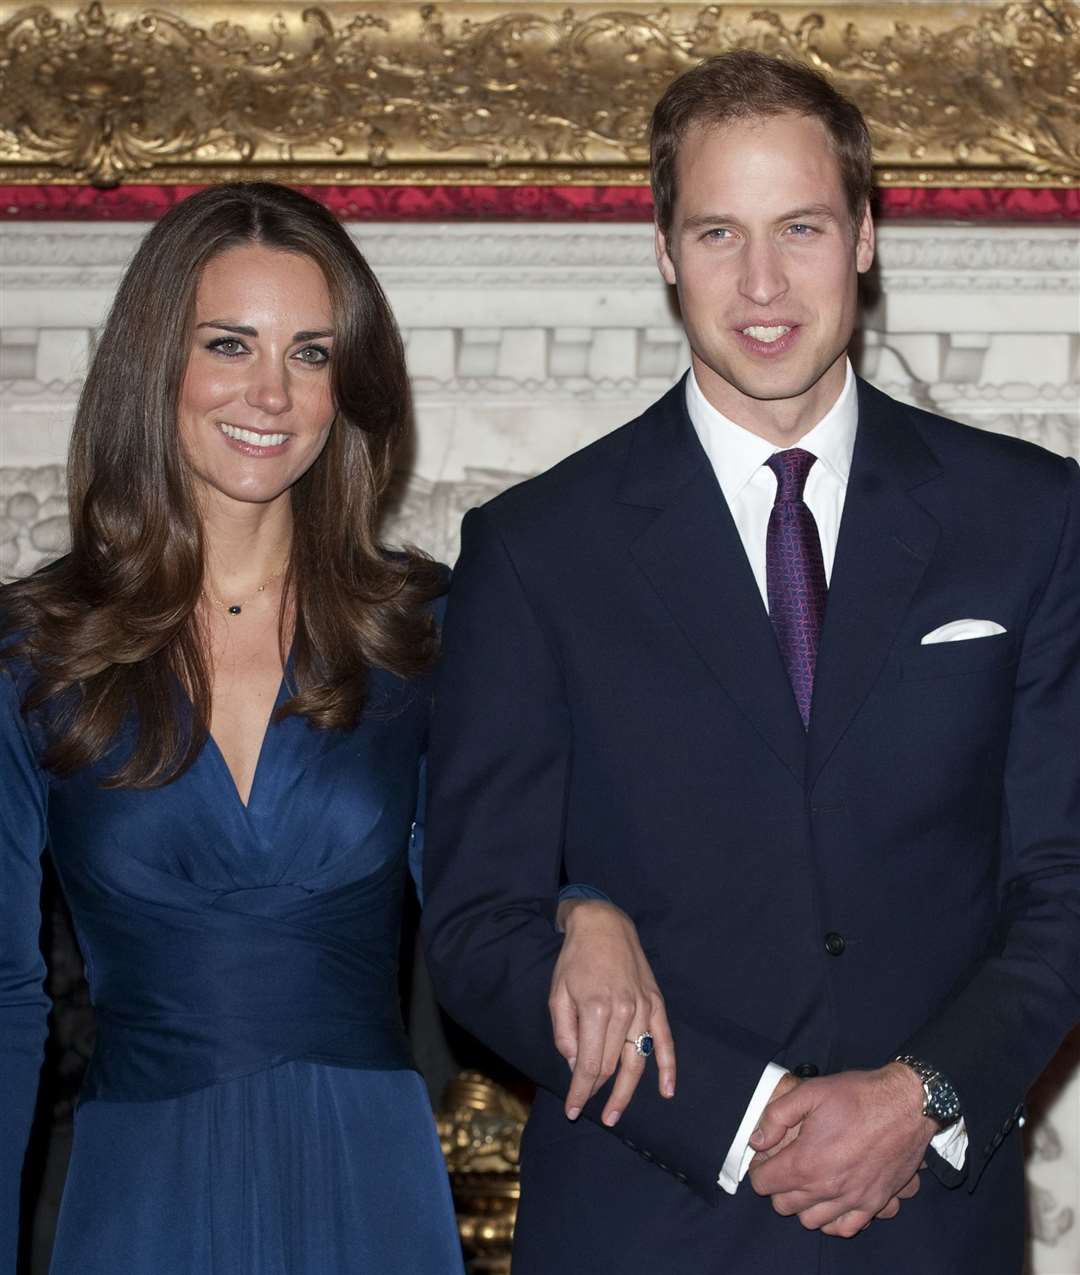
(466, 94)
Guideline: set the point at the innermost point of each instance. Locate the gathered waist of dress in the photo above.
(192, 996)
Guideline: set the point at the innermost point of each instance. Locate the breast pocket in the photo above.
(955, 659)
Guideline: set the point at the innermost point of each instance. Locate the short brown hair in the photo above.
(742, 84)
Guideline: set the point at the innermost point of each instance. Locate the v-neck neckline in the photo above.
(245, 806)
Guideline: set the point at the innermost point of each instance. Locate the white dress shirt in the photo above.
(738, 458)
(749, 485)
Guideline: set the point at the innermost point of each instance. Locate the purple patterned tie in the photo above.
(795, 574)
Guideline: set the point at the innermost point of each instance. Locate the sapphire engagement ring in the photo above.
(643, 1044)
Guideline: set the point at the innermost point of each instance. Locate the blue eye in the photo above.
(802, 230)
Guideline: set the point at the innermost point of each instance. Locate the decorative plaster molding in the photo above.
(497, 314)
(911, 248)
(947, 397)
(34, 522)
(33, 517)
(33, 393)
(1049, 1219)
(1053, 1165)
(32, 244)
(1066, 396)
(988, 257)
(982, 283)
(392, 244)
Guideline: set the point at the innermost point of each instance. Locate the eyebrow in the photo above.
(811, 210)
(713, 219)
(306, 334)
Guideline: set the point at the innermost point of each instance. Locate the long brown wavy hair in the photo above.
(111, 631)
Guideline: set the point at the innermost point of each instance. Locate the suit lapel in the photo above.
(886, 540)
(693, 558)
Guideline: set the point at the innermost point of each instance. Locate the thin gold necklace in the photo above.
(236, 608)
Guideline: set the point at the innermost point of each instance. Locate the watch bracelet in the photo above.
(929, 1076)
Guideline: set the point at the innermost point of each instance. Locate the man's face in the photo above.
(762, 252)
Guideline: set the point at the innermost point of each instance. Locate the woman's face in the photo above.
(255, 403)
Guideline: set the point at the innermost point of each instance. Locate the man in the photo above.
(791, 672)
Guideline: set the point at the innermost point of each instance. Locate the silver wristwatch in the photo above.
(942, 1102)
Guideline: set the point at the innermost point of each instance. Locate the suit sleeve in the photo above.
(23, 1004)
(1000, 1029)
(500, 774)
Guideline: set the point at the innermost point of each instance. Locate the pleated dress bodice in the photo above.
(251, 1106)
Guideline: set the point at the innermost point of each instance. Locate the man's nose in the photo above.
(268, 388)
(764, 279)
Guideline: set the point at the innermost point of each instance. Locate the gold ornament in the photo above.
(517, 93)
(480, 1126)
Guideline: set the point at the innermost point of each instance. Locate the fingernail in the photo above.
(612, 1119)
(669, 1089)
(572, 1063)
(573, 1113)
(757, 1138)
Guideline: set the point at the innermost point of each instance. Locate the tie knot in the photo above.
(791, 468)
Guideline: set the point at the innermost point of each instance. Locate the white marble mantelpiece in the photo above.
(527, 341)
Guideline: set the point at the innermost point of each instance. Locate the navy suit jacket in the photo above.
(613, 708)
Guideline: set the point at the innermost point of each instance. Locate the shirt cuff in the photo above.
(952, 1144)
(740, 1153)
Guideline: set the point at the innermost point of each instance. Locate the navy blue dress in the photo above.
(251, 1108)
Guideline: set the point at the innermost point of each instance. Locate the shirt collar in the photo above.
(736, 454)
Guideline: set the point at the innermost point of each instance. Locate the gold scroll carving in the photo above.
(480, 1125)
(511, 93)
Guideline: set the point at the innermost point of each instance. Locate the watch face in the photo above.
(942, 1101)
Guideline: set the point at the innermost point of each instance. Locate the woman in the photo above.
(230, 839)
(214, 710)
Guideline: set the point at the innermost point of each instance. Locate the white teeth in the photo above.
(250, 437)
(766, 334)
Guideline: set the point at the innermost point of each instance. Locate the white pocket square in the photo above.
(962, 631)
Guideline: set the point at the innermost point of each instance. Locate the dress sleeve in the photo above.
(23, 1004)
(416, 835)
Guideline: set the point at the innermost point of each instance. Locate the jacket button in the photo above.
(834, 943)
(805, 1071)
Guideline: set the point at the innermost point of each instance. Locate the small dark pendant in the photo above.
(234, 610)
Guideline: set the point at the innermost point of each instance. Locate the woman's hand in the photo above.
(603, 997)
